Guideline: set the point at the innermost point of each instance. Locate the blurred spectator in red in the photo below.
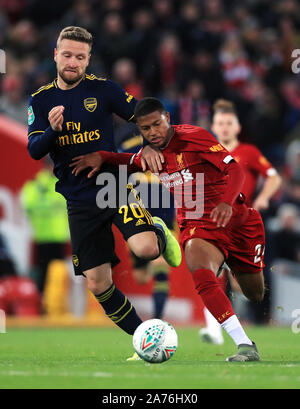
(124, 73)
(169, 59)
(235, 63)
(194, 109)
(12, 102)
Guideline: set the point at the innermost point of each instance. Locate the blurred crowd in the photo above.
(188, 54)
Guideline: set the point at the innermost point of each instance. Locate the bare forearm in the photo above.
(115, 158)
(270, 187)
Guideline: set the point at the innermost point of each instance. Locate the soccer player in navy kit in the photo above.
(72, 116)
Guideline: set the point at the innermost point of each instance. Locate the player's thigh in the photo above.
(252, 285)
(99, 278)
(136, 225)
(92, 238)
(246, 256)
(201, 254)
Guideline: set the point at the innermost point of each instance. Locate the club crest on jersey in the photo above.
(179, 159)
(75, 260)
(90, 104)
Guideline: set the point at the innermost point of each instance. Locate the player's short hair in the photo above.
(224, 106)
(79, 34)
(148, 105)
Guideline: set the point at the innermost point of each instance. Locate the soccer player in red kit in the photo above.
(215, 224)
(226, 127)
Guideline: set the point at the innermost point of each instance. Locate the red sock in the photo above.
(223, 281)
(214, 298)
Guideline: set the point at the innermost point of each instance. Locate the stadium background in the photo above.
(181, 52)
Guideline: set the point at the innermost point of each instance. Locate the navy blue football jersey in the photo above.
(87, 127)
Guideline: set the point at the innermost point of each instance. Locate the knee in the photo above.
(147, 250)
(97, 286)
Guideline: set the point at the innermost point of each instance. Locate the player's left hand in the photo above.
(90, 160)
(221, 214)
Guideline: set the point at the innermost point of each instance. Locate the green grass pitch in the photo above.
(96, 358)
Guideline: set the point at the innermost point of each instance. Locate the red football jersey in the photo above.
(194, 170)
(254, 164)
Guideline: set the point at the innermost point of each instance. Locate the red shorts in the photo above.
(243, 244)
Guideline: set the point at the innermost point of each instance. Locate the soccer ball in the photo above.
(155, 341)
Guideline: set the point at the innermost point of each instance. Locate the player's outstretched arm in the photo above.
(269, 188)
(95, 160)
(90, 160)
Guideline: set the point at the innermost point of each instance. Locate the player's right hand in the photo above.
(56, 118)
(221, 214)
(90, 160)
(152, 158)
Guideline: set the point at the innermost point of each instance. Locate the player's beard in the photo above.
(70, 81)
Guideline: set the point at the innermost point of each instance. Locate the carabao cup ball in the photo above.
(155, 341)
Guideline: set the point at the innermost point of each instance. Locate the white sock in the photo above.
(234, 329)
(212, 324)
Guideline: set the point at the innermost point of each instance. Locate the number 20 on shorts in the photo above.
(136, 210)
